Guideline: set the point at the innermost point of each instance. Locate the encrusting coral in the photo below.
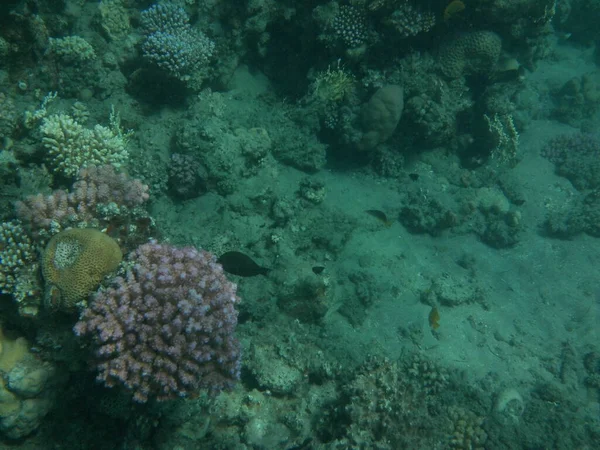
(27, 387)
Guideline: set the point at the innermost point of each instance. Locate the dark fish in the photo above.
(434, 318)
(379, 215)
(236, 263)
(413, 176)
(318, 270)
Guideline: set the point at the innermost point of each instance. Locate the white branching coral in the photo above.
(71, 146)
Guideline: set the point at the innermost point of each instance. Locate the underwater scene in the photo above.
(299, 225)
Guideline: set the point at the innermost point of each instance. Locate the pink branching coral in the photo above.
(95, 186)
(166, 329)
(39, 212)
(103, 185)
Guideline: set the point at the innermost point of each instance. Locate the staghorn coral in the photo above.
(75, 262)
(166, 329)
(476, 52)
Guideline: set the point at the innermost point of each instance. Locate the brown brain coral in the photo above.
(476, 52)
(74, 263)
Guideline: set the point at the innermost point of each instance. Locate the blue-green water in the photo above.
(362, 224)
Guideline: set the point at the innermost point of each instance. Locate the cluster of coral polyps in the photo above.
(99, 195)
(101, 199)
(166, 329)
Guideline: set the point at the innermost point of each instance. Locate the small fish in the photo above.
(379, 215)
(453, 9)
(318, 270)
(434, 318)
(237, 263)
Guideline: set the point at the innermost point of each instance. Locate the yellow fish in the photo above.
(454, 8)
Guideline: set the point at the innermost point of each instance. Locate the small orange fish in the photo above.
(434, 318)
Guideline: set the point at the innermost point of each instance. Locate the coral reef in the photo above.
(71, 147)
(172, 44)
(576, 157)
(379, 160)
(421, 214)
(9, 118)
(186, 176)
(509, 406)
(113, 19)
(72, 49)
(349, 25)
(472, 53)
(468, 432)
(166, 329)
(580, 215)
(380, 116)
(579, 99)
(384, 401)
(452, 292)
(19, 267)
(28, 388)
(410, 20)
(100, 196)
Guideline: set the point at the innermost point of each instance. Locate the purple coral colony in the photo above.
(299, 225)
(165, 328)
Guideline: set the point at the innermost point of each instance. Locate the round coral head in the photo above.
(75, 262)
